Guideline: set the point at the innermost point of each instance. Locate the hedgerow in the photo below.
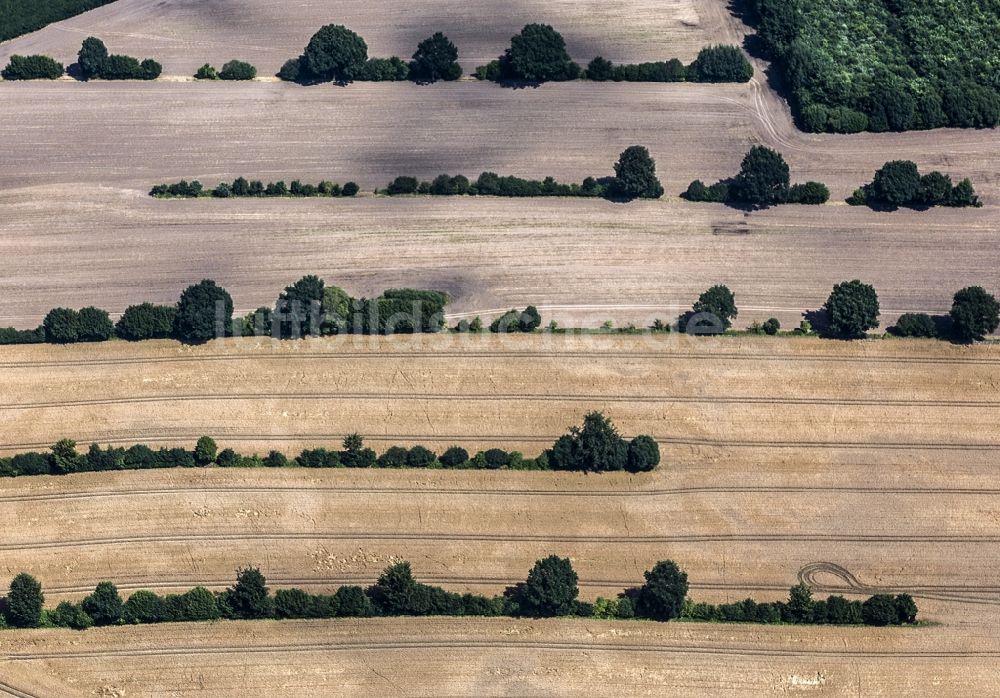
(244, 188)
(551, 589)
(32, 68)
(899, 183)
(596, 447)
(93, 61)
(763, 180)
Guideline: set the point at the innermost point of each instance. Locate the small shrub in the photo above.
(237, 70)
(206, 72)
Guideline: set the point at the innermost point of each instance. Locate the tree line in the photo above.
(899, 183)
(241, 187)
(596, 446)
(851, 310)
(763, 180)
(550, 590)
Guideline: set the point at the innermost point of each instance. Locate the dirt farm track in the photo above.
(854, 467)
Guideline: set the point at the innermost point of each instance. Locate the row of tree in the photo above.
(713, 64)
(335, 53)
(550, 590)
(595, 447)
(634, 178)
(242, 187)
(538, 54)
(899, 183)
(94, 61)
(232, 70)
(851, 310)
(801, 608)
(764, 180)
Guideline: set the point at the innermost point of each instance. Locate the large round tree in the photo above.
(204, 312)
(662, 596)
(763, 179)
(975, 314)
(435, 59)
(635, 175)
(852, 309)
(550, 590)
(335, 53)
(897, 183)
(538, 54)
(24, 602)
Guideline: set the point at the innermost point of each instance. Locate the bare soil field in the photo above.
(72, 198)
(580, 262)
(184, 34)
(855, 467)
(498, 657)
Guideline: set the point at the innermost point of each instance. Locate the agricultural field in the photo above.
(834, 463)
(857, 468)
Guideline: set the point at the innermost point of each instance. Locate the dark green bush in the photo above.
(32, 68)
(237, 70)
(720, 64)
(384, 70)
(146, 321)
(915, 325)
(435, 59)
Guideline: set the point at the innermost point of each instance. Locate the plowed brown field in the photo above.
(855, 467)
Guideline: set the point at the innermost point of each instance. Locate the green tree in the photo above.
(70, 615)
(205, 451)
(772, 327)
(301, 307)
(597, 447)
(248, 598)
(65, 459)
(662, 596)
(143, 607)
(720, 64)
(879, 610)
(397, 593)
(906, 609)
(800, 604)
(335, 53)
(538, 54)
(852, 309)
(62, 326)
(600, 70)
(550, 590)
(95, 325)
(763, 179)
(353, 602)
(204, 312)
(206, 72)
(104, 605)
(24, 602)
(32, 68)
(92, 57)
(199, 604)
(643, 454)
(420, 457)
(935, 189)
(292, 603)
(975, 314)
(915, 325)
(719, 303)
(454, 457)
(635, 175)
(436, 59)
(897, 183)
(146, 321)
(237, 70)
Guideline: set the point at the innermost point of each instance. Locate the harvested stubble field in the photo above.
(855, 467)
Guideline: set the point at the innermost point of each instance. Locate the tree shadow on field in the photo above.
(820, 321)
